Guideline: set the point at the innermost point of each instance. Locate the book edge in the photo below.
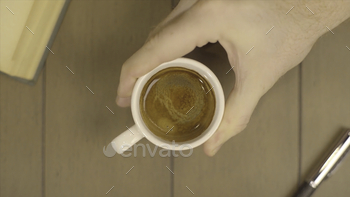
(46, 53)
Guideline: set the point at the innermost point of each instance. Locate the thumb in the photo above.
(239, 108)
(177, 38)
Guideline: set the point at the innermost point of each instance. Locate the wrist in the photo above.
(315, 18)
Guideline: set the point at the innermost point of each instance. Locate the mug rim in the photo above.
(205, 72)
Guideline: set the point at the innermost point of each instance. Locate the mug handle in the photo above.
(127, 139)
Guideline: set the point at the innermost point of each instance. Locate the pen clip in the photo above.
(333, 159)
(338, 164)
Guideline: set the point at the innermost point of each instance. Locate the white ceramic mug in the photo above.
(138, 131)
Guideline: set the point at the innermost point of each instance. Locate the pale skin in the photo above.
(237, 26)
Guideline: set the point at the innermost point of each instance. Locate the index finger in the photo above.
(177, 38)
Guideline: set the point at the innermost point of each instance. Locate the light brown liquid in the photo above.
(177, 104)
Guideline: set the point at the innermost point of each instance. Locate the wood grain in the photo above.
(95, 38)
(262, 160)
(20, 137)
(326, 105)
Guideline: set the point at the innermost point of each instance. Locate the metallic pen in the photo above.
(327, 168)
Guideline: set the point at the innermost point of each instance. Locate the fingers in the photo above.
(177, 38)
(239, 108)
(181, 7)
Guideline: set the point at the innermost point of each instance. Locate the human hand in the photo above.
(258, 57)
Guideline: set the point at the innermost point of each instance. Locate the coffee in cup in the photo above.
(177, 104)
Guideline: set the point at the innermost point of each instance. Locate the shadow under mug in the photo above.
(138, 131)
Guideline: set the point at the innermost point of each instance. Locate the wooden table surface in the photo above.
(52, 134)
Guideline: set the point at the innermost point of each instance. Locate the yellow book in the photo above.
(27, 30)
